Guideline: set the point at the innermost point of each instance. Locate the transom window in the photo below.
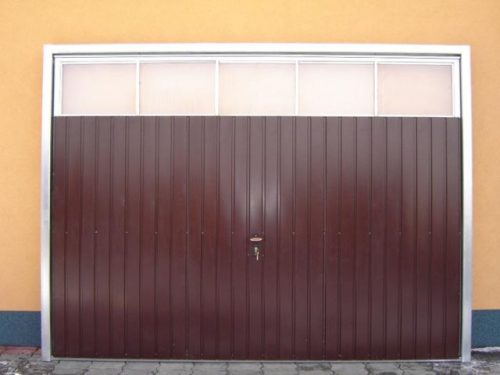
(243, 86)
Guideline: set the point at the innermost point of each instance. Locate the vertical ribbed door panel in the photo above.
(152, 216)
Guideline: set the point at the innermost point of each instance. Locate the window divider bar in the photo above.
(58, 89)
(216, 88)
(455, 89)
(375, 88)
(137, 88)
(296, 87)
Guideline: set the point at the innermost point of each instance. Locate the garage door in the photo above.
(234, 237)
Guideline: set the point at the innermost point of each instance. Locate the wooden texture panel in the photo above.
(151, 220)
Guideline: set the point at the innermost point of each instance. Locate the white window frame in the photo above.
(261, 52)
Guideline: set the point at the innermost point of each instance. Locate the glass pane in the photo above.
(336, 89)
(98, 89)
(413, 89)
(253, 89)
(178, 88)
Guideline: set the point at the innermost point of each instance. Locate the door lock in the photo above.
(256, 252)
(256, 242)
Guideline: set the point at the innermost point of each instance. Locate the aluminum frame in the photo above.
(259, 50)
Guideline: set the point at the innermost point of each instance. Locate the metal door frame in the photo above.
(462, 52)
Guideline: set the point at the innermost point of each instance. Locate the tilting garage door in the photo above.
(153, 220)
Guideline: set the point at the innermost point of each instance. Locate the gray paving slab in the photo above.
(384, 368)
(71, 367)
(68, 371)
(141, 366)
(316, 372)
(103, 371)
(174, 372)
(244, 368)
(462, 371)
(310, 366)
(215, 368)
(208, 372)
(279, 368)
(137, 372)
(176, 366)
(38, 366)
(349, 369)
(106, 365)
(244, 365)
(418, 372)
(420, 366)
(73, 364)
(452, 368)
(494, 368)
(210, 365)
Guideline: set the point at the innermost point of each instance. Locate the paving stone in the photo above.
(453, 368)
(174, 371)
(13, 367)
(144, 366)
(210, 368)
(176, 366)
(137, 372)
(72, 365)
(33, 372)
(482, 368)
(349, 369)
(105, 365)
(494, 367)
(103, 371)
(37, 363)
(310, 367)
(210, 365)
(244, 368)
(6, 366)
(462, 371)
(384, 368)
(481, 371)
(279, 368)
(416, 366)
(418, 372)
(445, 367)
(11, 371)
(68, 371)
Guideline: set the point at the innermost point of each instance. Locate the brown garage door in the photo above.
(152, 219)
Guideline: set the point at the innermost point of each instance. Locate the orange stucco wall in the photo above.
(26, 25)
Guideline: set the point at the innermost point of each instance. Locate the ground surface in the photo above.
(27, 361)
